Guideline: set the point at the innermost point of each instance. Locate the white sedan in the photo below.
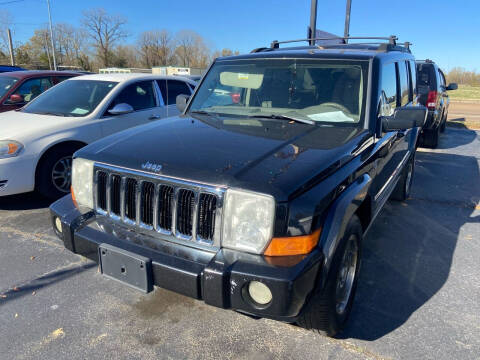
(37, 142)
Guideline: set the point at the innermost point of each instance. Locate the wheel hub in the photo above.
(62, 174)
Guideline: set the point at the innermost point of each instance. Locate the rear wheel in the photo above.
(328, 309)
(404, 185)
(55, 172)
(430, 137)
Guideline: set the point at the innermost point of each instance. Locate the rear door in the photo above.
(170, 89)
(140, 95)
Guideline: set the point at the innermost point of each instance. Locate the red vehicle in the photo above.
(19, 87)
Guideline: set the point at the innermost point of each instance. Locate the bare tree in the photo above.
(70, 44)
(155, 47)
(191, 49)
(224, 52)
(106, 31)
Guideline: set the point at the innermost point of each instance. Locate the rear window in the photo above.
(426, 79)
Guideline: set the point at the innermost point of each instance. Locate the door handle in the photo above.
(155, 117)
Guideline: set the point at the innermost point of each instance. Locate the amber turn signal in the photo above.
(12, 148)
(293, 245)
(73, 196)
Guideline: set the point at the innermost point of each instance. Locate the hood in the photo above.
(16, 125)
(270, 156)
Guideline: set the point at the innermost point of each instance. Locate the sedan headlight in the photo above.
(82, 182)
(9, 148)
(248, 220)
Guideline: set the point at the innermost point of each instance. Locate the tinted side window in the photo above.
(139, 96)
(389, 89)
(59, 79)
(30, 89)
(403, 82)
(171, 89)
(442, 78)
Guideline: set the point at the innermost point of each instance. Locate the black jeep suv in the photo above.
(258, 196)
(432, 93)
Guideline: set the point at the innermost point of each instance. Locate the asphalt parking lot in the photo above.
(418, 294)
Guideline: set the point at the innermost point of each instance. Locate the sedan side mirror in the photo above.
(121, 109)
(405, 117)
(182, 101)
(16, 99)
(452, 86)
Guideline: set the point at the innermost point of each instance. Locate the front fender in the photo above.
(338, 217)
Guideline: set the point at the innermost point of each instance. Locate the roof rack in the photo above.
(389, 43)
(392, 39)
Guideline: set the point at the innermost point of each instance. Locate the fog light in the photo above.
(259, 292)
(58, 225)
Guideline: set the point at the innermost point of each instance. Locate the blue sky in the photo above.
(445, 31)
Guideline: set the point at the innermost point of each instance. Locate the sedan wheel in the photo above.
(62, 174)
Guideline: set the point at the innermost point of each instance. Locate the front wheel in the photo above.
(328, 309)
(54, 173)
(443, 124)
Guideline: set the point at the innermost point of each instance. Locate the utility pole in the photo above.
(51, 36)
(48, 51)
(10, 46)
(313, 21)
(346, 33)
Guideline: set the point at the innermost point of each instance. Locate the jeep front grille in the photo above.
(173, 208)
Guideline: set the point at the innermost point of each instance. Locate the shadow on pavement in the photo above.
(409, 251)
(27, 201)
(43, 281)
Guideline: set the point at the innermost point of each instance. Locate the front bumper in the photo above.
(16, 175)
(219, 278)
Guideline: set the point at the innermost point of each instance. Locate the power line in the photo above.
(11, 2)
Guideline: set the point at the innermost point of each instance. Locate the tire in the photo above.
(55, 185)
(404, 185)
(430, 137)
(443, 124)
(326, 313)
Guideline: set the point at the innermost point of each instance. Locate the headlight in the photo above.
(9, 148)
(82, 182)
(248, 220)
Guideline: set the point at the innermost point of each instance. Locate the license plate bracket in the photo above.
(131, 269)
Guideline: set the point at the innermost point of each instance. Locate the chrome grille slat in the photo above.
(172, 208)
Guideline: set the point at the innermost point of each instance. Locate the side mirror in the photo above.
(405, 117)
(121, 109)
(452, 86)
(181, 101)
(16, 99)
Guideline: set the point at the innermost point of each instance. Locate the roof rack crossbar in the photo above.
(391, 39)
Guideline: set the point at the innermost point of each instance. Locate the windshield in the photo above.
(6, 83)
(323, 91)
(71, 98)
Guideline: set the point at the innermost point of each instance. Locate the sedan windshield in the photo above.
(315, 90)
(71, 98)
(6, 83)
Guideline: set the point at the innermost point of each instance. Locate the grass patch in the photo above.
(465, 92)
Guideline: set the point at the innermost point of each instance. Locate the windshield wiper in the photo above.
(51, 113)
(284, 117)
